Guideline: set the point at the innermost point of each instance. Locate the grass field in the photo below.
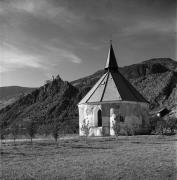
(136, 157)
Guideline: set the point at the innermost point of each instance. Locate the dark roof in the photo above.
(112, 86)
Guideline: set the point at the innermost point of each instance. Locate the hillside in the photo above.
(156, 80)
(10, 94)
(45, 104)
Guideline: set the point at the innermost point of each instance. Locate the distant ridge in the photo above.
(10, 91)
(10, 94)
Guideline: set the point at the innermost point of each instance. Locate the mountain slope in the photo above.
(57, 100)
(10, 94)
(42, 105)
(11, 91)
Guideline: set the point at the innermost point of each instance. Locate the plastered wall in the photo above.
(135, 115)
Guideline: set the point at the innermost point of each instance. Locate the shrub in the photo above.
(170, 125)
(85, 127)
(45, 129)
(129, 130)
(155, 125)
(163, 126)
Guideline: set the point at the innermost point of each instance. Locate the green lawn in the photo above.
(136, 157)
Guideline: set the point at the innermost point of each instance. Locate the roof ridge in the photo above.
(97, 87)
(105, 86)
(132, 89)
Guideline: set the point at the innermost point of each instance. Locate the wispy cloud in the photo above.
(153, 26)
(13, 59)
(30, 6)
(62, 54)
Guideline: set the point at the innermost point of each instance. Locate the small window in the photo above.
(99, 118)
(121, 118)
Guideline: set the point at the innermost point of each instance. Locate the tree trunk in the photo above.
(56, 142)
(14, 140)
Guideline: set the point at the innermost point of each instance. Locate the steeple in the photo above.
(112, 86)
(111, 63)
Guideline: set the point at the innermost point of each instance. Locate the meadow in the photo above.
(129, 158)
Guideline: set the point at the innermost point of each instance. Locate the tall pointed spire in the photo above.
(111, 63)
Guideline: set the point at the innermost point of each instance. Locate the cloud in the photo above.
(13, 59)
(153, 26)
(62, 55)
(29, 6)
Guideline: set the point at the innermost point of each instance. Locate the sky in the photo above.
(43, 38)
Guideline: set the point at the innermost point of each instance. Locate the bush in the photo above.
(155, 125)
(129, 130)
(170, 126)
(86, 128)
(45, 129)
(162, 126)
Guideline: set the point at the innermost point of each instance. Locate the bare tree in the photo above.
(57, 130)
(2, 136)
(15, 131)
(86, 129)
(55, 133)
(116, 127)
(31, 130)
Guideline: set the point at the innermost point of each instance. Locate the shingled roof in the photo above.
(112, 86)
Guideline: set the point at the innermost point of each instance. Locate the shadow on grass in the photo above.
(89, 147)
(10, 153)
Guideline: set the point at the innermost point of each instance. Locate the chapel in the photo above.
(113, 96)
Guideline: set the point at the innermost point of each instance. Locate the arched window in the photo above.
(99, 118)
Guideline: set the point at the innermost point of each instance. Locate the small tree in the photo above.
(57, 130)
(15, 131)
(86, 129)
(31, 130)
(2, 136)
(116, 127)
(55, 133)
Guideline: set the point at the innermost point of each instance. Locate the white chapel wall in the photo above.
(89, 114)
